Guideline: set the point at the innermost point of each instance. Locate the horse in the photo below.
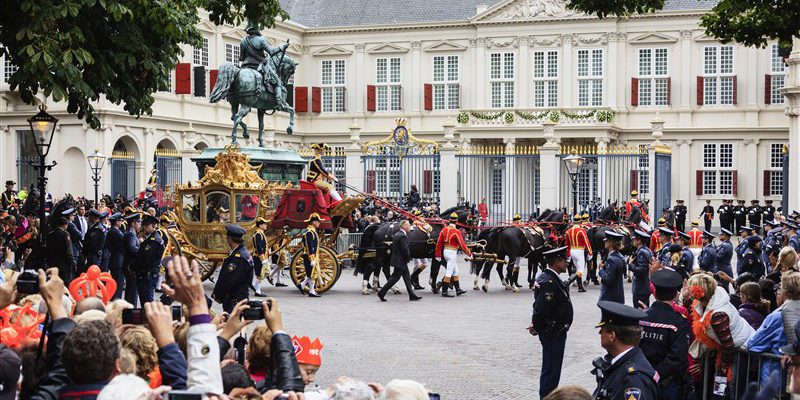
(245, 87)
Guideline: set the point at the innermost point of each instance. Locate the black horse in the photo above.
(376, 240)
(609, 220)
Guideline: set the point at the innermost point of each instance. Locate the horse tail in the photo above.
(225, 77)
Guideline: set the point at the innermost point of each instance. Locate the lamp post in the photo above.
(43, 126)
(96, 162)
(574, 164)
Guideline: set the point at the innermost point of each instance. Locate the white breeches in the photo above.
(578, 260)
(275, 273)
(451, 258)
(696, 254)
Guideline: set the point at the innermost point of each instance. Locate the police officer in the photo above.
(236, 273)
(751, 261)
(665, 335)
(740, 214)
(551, 318)
(261, 259)
(768, 210)
(794, 238)
(150, 200)
(723, 257)
(708, 215)
(686, 263)
(744, 233)
(74, 235)
(624, 373)
(640, 267)
(769, 240)
(708, 256)
(164, 222)
(147, 264)
(130, 246)
(665, 239)
(754, 213)
(95, 240)
(310, 255)
(115, 248)
(680, 215)
(725, 212)
(59, 250)
(612, 269)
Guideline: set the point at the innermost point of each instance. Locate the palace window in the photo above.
(333, 85)
(590, 77)
(232, 53)
(8, 68)
(718, 77)
(653, 77)
(718, 169)
(335, 163)
(777, 75)
(775, 170)
(201, 54)
(387, 88)
(501, 78)
(445, 83)
(545, 78)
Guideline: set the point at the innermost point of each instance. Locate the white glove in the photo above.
(589, 257)
(313, 263)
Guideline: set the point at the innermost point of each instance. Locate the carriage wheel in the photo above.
(329, 269)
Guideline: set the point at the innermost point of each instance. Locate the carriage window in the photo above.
(218, 206)
(191, 207)
(246, 207)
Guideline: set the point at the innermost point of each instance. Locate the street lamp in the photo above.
(43, 126)
(96, 162)
(574, 165)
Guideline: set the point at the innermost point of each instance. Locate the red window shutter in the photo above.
(735, 182)
(634, 180)
(699, 182)
(427, 186)
(767, 176)
(371, 181)
(635, 92)
(301, 99)
(316, 99)
(183, 78)
(371, 98)
(428, 97)
(734, 89)
(767, 89)
(669, 91)
(212, 78)
(700, 92)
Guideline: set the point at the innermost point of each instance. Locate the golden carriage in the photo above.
(232, 191)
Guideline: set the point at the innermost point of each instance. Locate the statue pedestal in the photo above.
(277, 165)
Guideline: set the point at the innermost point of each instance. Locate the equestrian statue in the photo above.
(259, 83)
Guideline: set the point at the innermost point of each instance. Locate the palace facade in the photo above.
(505, 89)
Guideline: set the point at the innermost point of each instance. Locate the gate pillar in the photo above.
(792, 93)
(549, 165)
(449, 177)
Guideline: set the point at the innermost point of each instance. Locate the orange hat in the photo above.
(91, 283)
(306, 351)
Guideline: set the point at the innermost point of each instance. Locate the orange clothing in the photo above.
(630, 204)
(696, 240)
(451, 238)
(577, 239)
(483, 211)
(655, 243)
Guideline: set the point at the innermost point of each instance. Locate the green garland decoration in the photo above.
(509, 118)
(487, 117)
(555, 116)
(531, 116)
(605, 116)
(462, 118)
(552, 115)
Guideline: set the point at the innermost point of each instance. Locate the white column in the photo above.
(684, 191)
(360, 73)
(602, 167)
(481, 78)
(792, 93)
(612, 74)
(416, 77)
(749, 159)
(683, 96)
(352, 161)
(567, 74)
(524, 67)
(510, 196)
(449, 176)
(549, 167)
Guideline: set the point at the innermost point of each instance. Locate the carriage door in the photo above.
(663, 181)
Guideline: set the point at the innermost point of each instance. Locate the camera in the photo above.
(28, 283)
(177, 312)
(256, 310)
(182, 395)
(133, 316)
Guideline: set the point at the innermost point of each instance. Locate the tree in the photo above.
(751, 23)
(124, 50)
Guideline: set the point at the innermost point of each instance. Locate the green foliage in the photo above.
(751, 23)
(462, 118)
(124, 50)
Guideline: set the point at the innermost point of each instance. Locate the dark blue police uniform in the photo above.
(116, 251)
(130, 247)
(236, 274)
(708, 258)
(93, 242)
(611, 275)
(147, 265)
(640, 267)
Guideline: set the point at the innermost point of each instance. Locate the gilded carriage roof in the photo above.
(233, 170)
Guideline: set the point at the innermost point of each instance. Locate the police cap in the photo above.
(68, 211)
(554, 254)
(149, 219)
(613, 236)
(115, 217)
(666, 279)
(708, 235)
(665, 231)
(641, 234)
(614, 313)
(675, 248)
(684, 235)
(724, 231)
(133, 217)
(235, 231)
(93, 212)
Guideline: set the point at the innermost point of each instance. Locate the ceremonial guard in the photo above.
(768, 211)
(665, 237)
(634, 203)
(279, 257)
(680, 215)
(94, 240)
(9, 196)
(421, 263)
(695, 243)
(150, 200)
(59, 250)
(236, 273)
(665, 335)
(754, 213)
(708, 256)
(261, 259)
(655, 242)
(725, 212)
(551, 318)
(115, 247)
(612, 269)
(723, 256)
(310, 255)
(447, 246)
(578, 247)
(318, 175)
(624, 373)
(688, 259)
(740, 214)
(707, 215)
(147, 264)
(640, 267)
(130, 245)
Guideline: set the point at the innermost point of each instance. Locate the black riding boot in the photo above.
(415, 279)
(516, 279)
(459, 292)
(445, 288)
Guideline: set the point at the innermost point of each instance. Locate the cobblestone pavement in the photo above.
(470, 347)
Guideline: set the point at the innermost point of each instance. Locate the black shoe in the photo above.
(458, 290)
(418, 287)
(300, 288)
(257, 294)
(281, 284)
(313, 294)
(445, 293)
(436, 287)
(415, 298)
(270, 281)
(581, 290)
(381, 297)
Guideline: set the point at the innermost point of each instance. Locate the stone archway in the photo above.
(73, 170)
(122, 164)
(169, 165)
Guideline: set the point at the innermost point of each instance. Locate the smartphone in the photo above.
(177, 312)
(182, 395)
(255, 312)
(28, 283)
(434, 396)
(133, 316)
